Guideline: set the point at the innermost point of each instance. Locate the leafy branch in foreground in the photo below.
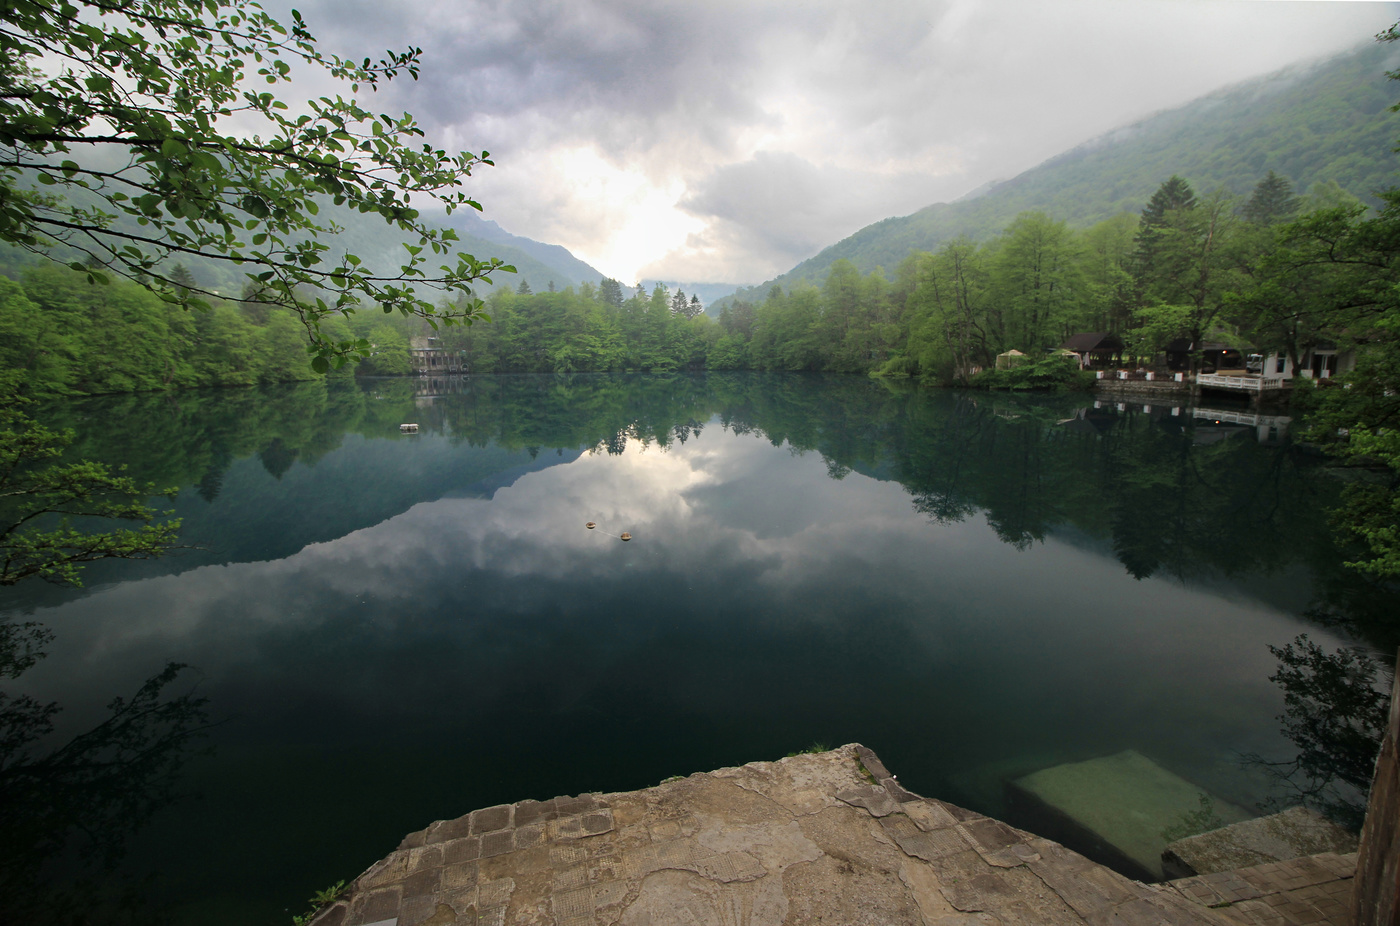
(136, 112)
(1335, 713)
(39, 497)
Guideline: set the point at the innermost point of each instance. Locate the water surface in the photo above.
(391, 629)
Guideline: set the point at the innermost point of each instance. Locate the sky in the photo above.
(727, 141)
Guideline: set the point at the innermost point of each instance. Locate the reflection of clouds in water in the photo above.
(733, 537)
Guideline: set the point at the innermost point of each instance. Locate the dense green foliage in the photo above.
(40, 498)
(129, 136)
(1190, 266)
(589, 329)
(64, 335)
(1322, 123)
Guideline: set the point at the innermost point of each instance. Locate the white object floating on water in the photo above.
(406, 428)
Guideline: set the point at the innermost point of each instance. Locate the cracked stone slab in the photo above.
(804, 839)
(873, 798)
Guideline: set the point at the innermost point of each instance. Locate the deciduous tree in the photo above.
(125, 139)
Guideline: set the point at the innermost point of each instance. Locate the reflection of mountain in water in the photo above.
(1169, 489)
(773, 595)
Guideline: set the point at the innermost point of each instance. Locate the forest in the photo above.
(1190, 265)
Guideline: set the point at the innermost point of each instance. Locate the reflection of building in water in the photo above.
(427, 385)
(427, 357)
(1268, 429)
(1212, 424)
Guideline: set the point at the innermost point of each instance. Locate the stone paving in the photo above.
(825, 838)
(1306, 891)
(1294, 833)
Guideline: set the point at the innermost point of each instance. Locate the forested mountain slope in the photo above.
(555, 258)
(1314, 122)
(536, 263)
(381, 245)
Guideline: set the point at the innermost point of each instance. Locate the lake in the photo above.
(388, 629)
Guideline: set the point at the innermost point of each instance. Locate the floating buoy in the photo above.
(626, 536)
(590, 525)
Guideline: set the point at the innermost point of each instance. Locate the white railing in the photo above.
(1220, 415)
(1242, 383)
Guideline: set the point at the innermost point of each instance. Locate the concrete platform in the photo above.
(826, 838)
(1310, 891)
(1294, 833)
(1114, 808)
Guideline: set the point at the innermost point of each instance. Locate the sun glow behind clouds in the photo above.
(730, 141)
(651, 222)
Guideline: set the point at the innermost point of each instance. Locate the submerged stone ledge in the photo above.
(823, 838)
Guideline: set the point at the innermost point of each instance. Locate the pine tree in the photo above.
(610, 292)
(1172, 199)
(1174, 193)
(524, 289)
(182, 280)
(1272, 202)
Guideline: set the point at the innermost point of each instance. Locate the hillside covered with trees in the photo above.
(1191, 265)
(1327, 122)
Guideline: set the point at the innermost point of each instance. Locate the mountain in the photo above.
(469, 223)
(1313, 122)
(536, 263)
(381, 245)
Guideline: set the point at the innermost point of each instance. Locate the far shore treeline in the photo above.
(1197, 266)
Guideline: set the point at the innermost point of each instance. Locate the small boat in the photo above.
(408, 428)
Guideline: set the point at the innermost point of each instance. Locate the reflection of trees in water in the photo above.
(66, 812)
(1336, 714)
(1168, 503)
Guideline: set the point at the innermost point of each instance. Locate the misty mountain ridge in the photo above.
(1311, 122)
(468, 223)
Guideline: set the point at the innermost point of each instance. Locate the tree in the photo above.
(1108, 248)
(1174, 193)
(1336, 272)
(1037, 283)
(1188, 257)
(39, 497)
(947, 332)
(1173, 196)
(1271, 202)
(610, 292)
(118, 146)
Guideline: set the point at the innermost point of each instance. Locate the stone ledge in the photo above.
(1294, 833)
(804, 839)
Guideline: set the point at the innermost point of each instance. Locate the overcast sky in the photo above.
(727, 141)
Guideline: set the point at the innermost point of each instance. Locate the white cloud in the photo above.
(649, 138)
(735, 525)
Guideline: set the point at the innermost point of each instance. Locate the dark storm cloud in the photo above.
(742, 112)
(614, 72)
(776, 205)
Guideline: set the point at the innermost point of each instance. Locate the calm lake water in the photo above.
(391, 629)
